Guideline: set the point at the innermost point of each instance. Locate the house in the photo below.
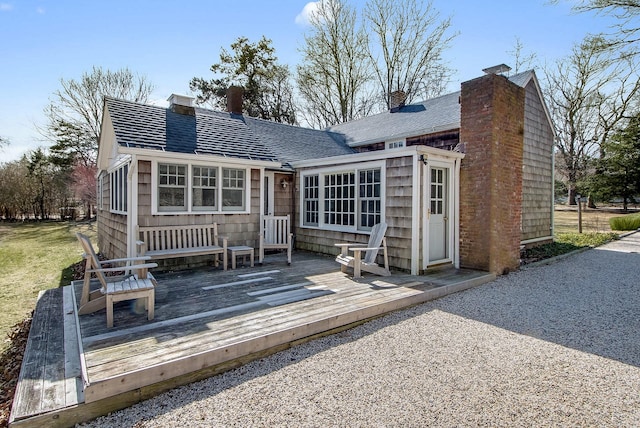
(464, 179)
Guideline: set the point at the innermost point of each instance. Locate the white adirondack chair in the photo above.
(137, 282)
(376, 243)
(275, 234)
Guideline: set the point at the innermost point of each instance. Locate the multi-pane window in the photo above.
(437, 191)
(344, 200)
(204, 188)
(311, 200)
(118, 183)
(199, 188)
(369, 196)
(233, 196)
(340, 199)
(172, 187)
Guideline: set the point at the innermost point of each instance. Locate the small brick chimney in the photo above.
(234, 99)
(396, 100)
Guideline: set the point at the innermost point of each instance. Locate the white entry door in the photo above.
(438, 215)
(268, 193)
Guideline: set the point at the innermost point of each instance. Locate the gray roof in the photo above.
(433, 115)
(218, 133)
(294, 143)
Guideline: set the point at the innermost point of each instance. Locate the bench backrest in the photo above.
(157, 238)
(275, 229)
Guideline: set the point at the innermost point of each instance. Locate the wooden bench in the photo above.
(164, 242)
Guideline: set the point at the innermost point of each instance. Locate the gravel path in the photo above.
(554, 345)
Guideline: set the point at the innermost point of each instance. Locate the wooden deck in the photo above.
(206, 322)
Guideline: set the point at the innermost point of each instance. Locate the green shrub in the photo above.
(627, 222)
(592, 239)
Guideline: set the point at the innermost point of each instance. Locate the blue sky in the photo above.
(42, 41)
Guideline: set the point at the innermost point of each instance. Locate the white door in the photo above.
(268, 192)
(437, 214)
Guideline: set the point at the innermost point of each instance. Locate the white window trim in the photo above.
(100, 190)
(113, 187)
(189, 179)
(355, 168)
(398, 143)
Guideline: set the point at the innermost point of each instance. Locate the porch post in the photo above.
(415, 216)
(132, 206)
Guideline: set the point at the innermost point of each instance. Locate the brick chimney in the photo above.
(234, 99)
(396, 100)
(492, 129)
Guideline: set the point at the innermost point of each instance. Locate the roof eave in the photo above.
(148, 154)
(447, 127)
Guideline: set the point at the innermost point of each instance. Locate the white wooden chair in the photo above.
(136, 282)
(275, 234)
(376, 243)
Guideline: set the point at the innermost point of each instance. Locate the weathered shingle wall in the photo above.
(537, 174)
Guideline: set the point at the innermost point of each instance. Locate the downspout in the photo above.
(415, 216)
(132, 206)
(553, 193)
(456, 210)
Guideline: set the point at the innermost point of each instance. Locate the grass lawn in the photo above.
(34, 257)
(593, 220)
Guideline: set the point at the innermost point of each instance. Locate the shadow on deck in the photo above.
(206, 322)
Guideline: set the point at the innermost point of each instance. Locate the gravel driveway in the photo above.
(553, 345)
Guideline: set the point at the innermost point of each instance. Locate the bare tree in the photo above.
(626, 13)
(521, 61)
(406, 42)
(589, 93)
(333, 76)
(75, 111)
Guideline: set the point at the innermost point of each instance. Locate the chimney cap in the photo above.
(183, 100)
(497, 69)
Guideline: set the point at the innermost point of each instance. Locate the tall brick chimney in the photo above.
(234, 99)
(492, 129)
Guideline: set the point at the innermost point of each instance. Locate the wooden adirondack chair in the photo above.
(376, 243)
(274, 234)
(135, 284)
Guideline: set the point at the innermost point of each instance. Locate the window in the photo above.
(187, 188)
(204, 188)
(311, 200)
(172, 187)
(233, 189)
(369, 194)
(339, 199)
(343, 200)
(395, 144)
(118, 183)
(99, 190)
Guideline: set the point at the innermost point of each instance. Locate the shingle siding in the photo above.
(537, 174)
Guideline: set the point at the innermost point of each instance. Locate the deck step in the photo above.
(51, 375)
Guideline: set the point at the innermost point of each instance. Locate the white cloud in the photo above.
(304, 17)
(5, 7)
(40, 10)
